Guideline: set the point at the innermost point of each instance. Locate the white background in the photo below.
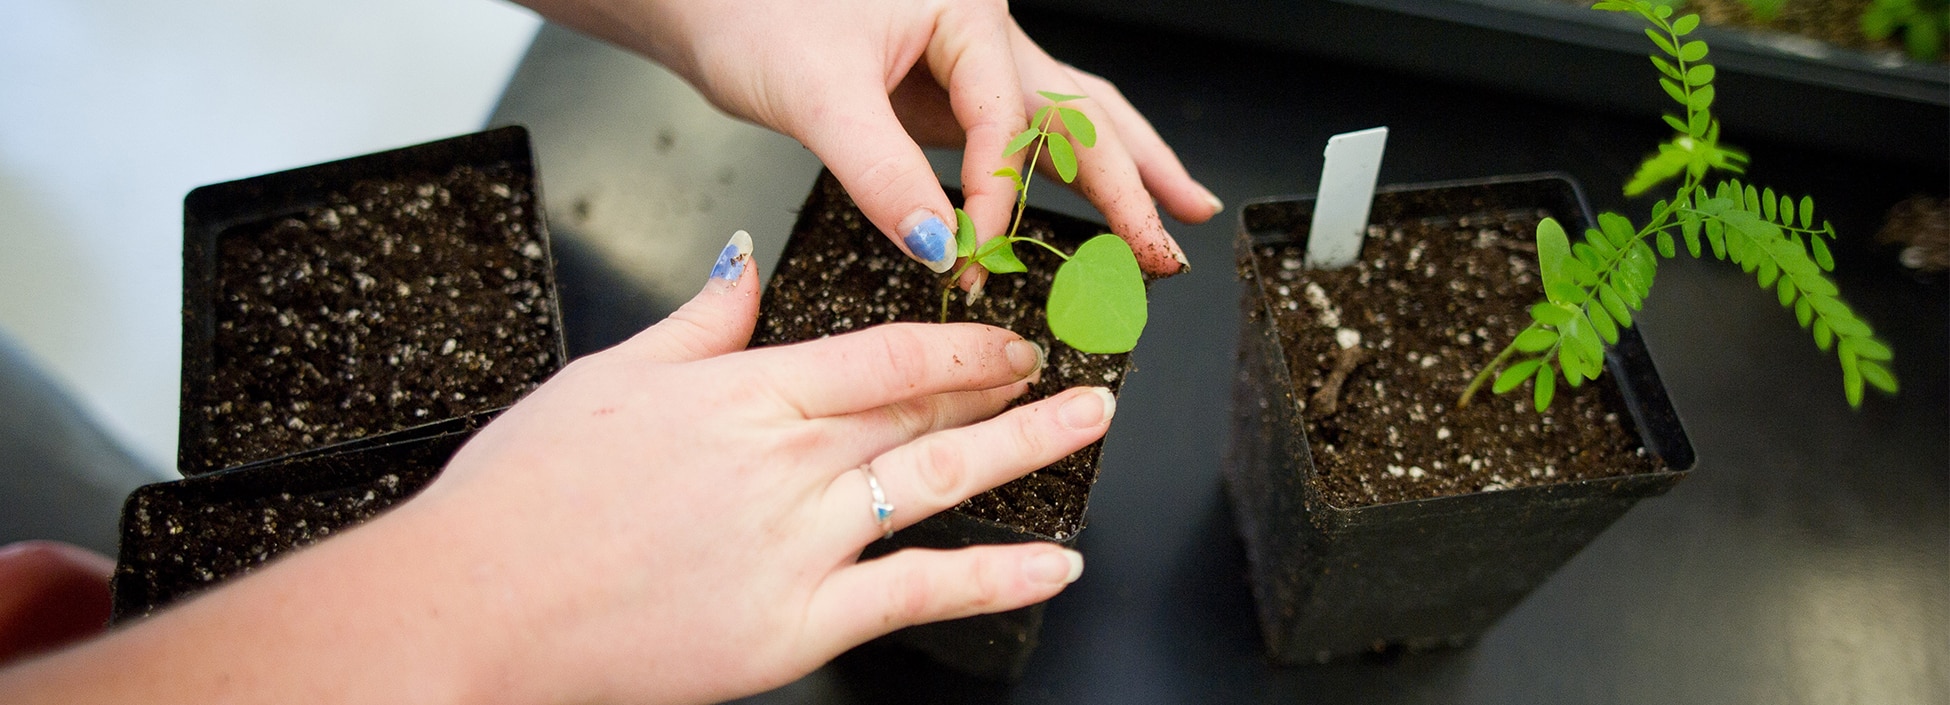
(110, 111)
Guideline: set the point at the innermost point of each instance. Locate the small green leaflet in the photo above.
(1097, 302)
(1064, 157)
(964, 234)
(999, 257)
(1079, 125)
(1058, 97)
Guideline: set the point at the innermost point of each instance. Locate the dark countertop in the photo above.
(1806, 560)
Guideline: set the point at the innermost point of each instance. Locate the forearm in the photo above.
(369, 616)
(641, 26)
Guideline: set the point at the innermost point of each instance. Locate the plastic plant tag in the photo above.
(1346, 192)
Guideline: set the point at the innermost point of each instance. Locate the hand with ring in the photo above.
(672, 520)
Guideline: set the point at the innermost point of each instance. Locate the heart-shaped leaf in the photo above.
(1097, 302)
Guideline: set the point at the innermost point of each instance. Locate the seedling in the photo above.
(1097, 302)
(1592, 287)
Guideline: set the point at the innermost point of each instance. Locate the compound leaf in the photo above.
(1097, 302)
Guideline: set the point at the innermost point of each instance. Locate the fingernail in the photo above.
(1059, 567)
(1184, 266)
(1025, 357)
(981, 279)
(1088, 410)
(929, 240)
(730, 266)
(1212, 198)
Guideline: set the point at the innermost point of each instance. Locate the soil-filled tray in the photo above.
(838, 274)
(363, 296)
(181, 537)
(1376, 511)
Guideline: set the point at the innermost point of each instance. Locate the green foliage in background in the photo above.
(1923, 24)
(1593, 285)
(1097, 301)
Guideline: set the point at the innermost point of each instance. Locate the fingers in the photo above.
(915, 586)
(892, 363)
(879, 430)
(1163, 174)
(941, 469)
(863, 142)
(718, 320)
(50, 594)
(970, 54)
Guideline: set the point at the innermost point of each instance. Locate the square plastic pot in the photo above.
(503, 252)
(1331, 580)
(994, 646)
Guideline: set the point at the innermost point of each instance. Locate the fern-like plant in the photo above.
(1592, 286)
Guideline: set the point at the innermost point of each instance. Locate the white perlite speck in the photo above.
(1347, 337)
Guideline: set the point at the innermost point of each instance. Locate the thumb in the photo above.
(886, 174)
(718, 320)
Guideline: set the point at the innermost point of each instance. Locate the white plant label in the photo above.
(1346, 192)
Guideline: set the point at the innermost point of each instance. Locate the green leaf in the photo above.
(1017, 143)
(1040, 121)
(1701, 123)
(1685, 24)
(1546, 386)
(1700, 75)
(1589, 254)
(1079, 125)
(1535, 340)
(1877, 375)
(1661, 41)
(1553, 252)
(1822, 256)
(999, 256)
(1615, 305)
(1058, 97)
(1551, 314)
(1767, 204)
(1716, 236)
(1752, 202)
(1581, 334)
(1064, 157)
(1663, 164)
(1768, 271)
(1617, 228)
(1701, 99)
(1804, 312)
(1692, 51)
(1675, 122)
(1662, 11)
(1872, 349)
(1515, 375)
(1689, 227)
(1808, 212)
(964, 234)
(1840, 318)
(1785, 291)
(1851, 375)
(1666, 247)
(1602, 323)
(1666, 67)
(1823, 336)
(1097, 302)
(1672, 89)
(1787, 212)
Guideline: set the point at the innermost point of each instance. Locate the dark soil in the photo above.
(181, 537)
(1432, 301)
(839, 274)
(398, 303)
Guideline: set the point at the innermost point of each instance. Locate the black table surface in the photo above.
(1807, 560)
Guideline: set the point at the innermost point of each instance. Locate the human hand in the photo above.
(50, 594)
(674, 520)
(860, 82)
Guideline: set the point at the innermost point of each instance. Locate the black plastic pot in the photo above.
(233, 514)
(248, 208)
(1887, 108)
(1330, 580)
(181, 537)
(994, 646)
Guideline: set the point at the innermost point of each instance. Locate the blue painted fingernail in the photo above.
(731, 261)
(931, 242)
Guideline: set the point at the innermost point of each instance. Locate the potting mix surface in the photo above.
(399, 303)
(1430, 303)
(846, 276)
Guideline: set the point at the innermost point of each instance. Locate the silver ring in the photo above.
(883, 511)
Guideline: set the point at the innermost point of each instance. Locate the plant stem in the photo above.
(1490, 369)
